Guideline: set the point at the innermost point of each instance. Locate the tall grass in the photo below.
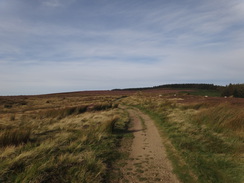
(222, 117)
(64, 112)
(74, 110)
(14, 137)
(207, 141)
(72, 144)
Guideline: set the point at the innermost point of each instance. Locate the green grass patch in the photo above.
(202, 153)
(210, 93)
(181, 169)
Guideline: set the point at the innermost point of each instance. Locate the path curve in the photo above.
(148, 161)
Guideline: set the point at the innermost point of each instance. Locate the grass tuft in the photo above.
(70, 144)
(14, 137)
(207, 142)
(222, 117)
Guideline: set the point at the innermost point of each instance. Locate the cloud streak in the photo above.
(55, 45)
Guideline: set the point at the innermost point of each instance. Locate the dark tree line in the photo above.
(235, 90)
(190, 86)
(179, 86)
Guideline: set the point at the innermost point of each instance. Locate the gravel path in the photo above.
(148, 161)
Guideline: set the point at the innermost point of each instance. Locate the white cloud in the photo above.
(121, 44)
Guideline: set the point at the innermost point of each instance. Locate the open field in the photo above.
(77, 137)
(203, 135)
(59, 138)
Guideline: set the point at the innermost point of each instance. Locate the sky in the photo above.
(50, 46)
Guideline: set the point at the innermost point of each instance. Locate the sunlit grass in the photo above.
(76, 143)
(223, 117)
(205, 140)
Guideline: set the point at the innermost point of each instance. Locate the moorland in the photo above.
(86, 137)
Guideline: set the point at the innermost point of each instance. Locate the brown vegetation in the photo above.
(57, 138)
(75, 136)
(206, 134)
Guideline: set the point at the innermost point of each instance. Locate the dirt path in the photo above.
(147, 161)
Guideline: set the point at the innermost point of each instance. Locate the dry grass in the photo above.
(58, 139)
(74, 137)
(223, 117)
(207, 135)
(14, 137)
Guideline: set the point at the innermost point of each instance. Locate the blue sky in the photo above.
(51, 46)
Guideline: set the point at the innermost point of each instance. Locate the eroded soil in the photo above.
(147, 160)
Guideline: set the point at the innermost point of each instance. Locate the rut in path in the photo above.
(148, 161)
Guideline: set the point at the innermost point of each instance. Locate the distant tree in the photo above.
(190, 86)
(236, 90)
